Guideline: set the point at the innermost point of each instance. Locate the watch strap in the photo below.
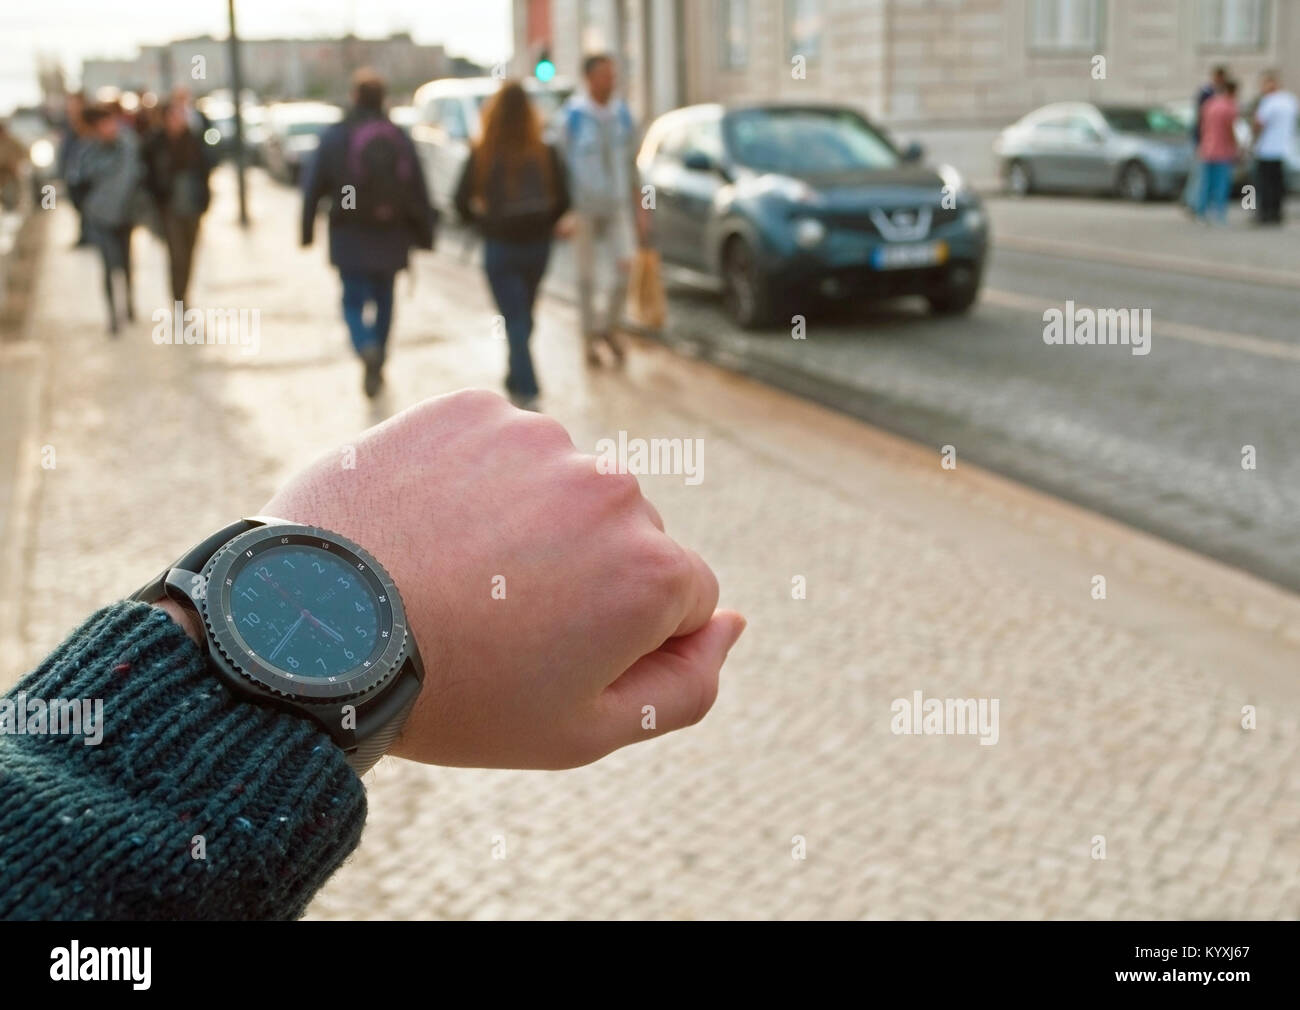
(374, 746)
(196, 557)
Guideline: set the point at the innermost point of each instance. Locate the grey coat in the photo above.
(111, 175)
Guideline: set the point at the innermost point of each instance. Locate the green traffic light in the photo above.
(544, 71)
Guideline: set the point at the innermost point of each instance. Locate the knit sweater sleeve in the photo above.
(192, 804)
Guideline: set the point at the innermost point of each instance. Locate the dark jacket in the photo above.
(354, 245)
(194, 804)
(172, 163)
(527, 227)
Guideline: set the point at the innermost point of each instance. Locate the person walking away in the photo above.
(379, 209)
(1275, 130)
(1192, 191)
(513, 190)
(109, 172)
(600, 142)
(75, 136)
(12, 158)
(178, 166)
(1218, 154)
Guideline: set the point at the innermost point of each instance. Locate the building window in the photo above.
(804, 22)
(734, 30)
(1233, 23)
(1065, 25)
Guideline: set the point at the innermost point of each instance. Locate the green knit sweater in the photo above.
(194, 805)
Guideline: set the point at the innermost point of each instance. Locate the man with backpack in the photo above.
(379, 209)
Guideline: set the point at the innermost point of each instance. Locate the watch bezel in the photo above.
(241, 551)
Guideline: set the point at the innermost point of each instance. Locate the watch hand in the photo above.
(287, 635)
(323, 626)
(276, 586)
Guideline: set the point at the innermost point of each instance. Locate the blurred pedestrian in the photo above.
(379, 209)
(1217, 153)
(178, 163)
(513, 190)
(1192, 191)
(600, 144)
(12, 157)
(109, 172)
(1275, 129)
(75, 135)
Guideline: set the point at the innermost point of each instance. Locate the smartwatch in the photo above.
(304, 620)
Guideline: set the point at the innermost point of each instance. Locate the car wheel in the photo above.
(1019, 181)
(748, 298)
(1135, 183)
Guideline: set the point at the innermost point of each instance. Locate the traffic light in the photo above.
(544, 70)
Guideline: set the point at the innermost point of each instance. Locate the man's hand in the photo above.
(598, 618)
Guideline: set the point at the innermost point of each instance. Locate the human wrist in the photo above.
(187, 619)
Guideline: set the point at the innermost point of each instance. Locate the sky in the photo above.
(74, 29)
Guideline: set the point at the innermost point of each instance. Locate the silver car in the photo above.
(293, 134)
(1136, 151)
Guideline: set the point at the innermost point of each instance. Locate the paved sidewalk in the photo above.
(1118, 718)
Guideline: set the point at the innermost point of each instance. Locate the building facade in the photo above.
(273, 68)
(916, 64)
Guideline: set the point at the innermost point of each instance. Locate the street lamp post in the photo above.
(237, 88)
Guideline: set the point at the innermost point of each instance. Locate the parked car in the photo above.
(448, 120)
(293, 134)
(405, 117)
(1135, 151)
(786, 202)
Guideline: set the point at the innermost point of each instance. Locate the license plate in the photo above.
(904, 256)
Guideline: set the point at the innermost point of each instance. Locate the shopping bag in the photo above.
(646, 302)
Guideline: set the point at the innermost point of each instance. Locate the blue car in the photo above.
(787, 203)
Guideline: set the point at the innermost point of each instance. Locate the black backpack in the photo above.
(380, 166)
(530, 202)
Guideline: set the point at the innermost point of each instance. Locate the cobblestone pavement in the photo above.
(1118, 718)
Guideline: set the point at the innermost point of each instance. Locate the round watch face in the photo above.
(304, 612)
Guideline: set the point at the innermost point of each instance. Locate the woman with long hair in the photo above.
(514, 191)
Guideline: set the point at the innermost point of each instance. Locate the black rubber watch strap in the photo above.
(196, 557)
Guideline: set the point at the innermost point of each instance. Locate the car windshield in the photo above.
(1139, 120)
(806, 141)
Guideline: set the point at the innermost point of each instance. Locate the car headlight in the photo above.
(808, 231)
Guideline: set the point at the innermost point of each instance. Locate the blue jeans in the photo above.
(514, 273)
(1216, 181)
(360, 289)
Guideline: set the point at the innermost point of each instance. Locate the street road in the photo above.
(1155, 441)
